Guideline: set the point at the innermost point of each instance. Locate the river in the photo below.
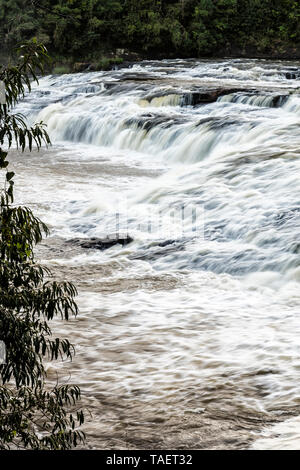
(187, 337)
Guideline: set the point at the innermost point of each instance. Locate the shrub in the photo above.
(32, 415)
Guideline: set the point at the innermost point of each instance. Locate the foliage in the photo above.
(106, 63)
(181, 27)
(31, 414)
(60, 69)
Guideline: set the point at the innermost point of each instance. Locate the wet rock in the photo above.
(80, 66)
(292, 73)
(118, 88)
(101, 243)
(92, 68)
(128, 55)
(206, 96)
(217, 123)
(150, 120)
(136, 77)
(279, 100)
(193, 97)
(152, 252)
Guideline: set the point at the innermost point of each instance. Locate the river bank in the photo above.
(110, 59)
(120, 57)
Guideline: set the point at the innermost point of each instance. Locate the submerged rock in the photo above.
(101, 243)
(153, 251)
(208, 96)
(292, 73)
(173, 97)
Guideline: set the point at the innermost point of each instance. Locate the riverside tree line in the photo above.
(186, 28)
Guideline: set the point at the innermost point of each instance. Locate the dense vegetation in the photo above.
(32, 414)
(88, 28)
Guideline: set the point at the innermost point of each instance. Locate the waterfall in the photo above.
(198, 162)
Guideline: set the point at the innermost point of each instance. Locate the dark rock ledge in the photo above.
(101, 243)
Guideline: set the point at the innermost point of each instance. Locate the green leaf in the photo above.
(9, 175)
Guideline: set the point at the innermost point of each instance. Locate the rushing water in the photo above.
(203, 325)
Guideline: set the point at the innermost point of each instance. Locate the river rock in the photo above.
(194, 97)
(80, 66)
(292, 73)
(153, 251)
(206, 96)
(101, 243)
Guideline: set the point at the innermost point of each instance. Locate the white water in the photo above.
(215, 319)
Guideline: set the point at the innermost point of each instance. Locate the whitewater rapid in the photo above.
(206, 321)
